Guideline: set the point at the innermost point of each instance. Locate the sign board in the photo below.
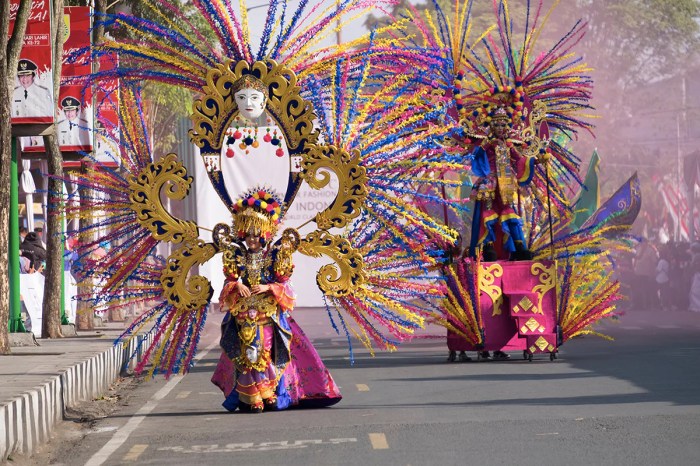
(32, 97)
(74, 106)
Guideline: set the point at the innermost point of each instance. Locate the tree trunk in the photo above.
(51, 307)
(51, 312)
(10, 47)
(5, 162)
(98, 33)
(85, 312)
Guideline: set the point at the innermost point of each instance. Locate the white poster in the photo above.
(243, 167)
(31, 289)
(71, 290)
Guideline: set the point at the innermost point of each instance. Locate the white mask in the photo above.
(250, 102)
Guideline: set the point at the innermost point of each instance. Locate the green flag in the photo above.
(589, 198)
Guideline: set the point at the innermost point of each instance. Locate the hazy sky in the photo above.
(258, 9)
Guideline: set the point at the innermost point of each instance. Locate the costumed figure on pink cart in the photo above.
(501, 168)
(515, 108)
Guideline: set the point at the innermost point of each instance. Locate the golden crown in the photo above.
(257, 212)
(249, 81)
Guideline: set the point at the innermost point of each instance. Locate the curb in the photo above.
(28, 420)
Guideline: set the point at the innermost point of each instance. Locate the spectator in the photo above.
(694, 294)
(644, 276)
(69, 255)
(32, 248)
(40, 233)
(25, 265)
(663, 268)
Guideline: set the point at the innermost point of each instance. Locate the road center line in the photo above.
(362, 387)
(378, 441)
(135, 452)
(122, 434)
(183, 394)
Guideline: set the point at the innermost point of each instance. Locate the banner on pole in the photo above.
(32, 97)
(74, 115)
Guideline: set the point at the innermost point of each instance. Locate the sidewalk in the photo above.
(40, 382)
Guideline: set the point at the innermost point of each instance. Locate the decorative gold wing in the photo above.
(352, 181)
(347, 274)
(145, 198)
(181, 290)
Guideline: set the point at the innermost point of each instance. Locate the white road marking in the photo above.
(250, 446)
(209, 393)
(123, 433)
(549, 433)
(378, 441)
(135, 452)
(100, 430)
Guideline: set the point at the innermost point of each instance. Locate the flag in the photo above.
(589, 198)
(691, 169)
(676, 204)
(621, 208)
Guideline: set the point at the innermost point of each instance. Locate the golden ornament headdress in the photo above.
(258, 211)
(250, 81)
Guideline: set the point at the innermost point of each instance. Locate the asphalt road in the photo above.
(632, 401)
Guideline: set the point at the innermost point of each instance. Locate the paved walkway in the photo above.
(40, 382)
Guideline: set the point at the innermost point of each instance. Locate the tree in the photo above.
(51, 305)
(84, 318)
(10, 48)
(630, 45)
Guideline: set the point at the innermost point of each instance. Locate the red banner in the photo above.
(107, 134)
(75, 113)
(32, 98)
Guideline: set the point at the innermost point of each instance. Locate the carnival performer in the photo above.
(255, 370)
(501, 168)
(348, 115)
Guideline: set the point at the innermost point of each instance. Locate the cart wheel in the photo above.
(552, 356)
(529, 357)
(524, 354)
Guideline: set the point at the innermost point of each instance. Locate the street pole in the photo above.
(15, 325)
(679, 180)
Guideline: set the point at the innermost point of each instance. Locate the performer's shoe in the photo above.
(484, 355)
(500, 356)
(452, 357)
(257, 408)
(271, 403)
(463, 357)
(521, 253)
(489, 252)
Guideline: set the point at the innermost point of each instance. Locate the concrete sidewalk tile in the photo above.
(40, 383)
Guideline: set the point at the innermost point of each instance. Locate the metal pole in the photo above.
(15, 324)
(679, 179)
(64, 319)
